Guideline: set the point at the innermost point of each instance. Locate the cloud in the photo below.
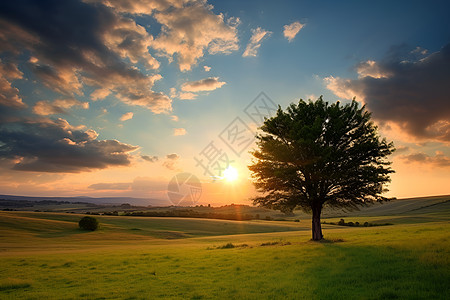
(187, 96)
(406, 90)
(141, 184)
(207, 84)
(179, 131)
(206, 68)
(370, 68)
(258, 35)
(188, 30)
(100, 94)
(83, 45)
(44, 145)
(291, 30)
(438, 160)
(126, 116)
(174, 118)
(117, 186)
(60, 106)
(172, 156)
(171, 160)
(149, 158)
(9, 95)
(401, 149)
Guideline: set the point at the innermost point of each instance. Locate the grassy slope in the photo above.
(43, 255)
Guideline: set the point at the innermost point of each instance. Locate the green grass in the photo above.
(44, 256)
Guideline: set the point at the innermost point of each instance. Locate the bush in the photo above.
(88, 223)
(350, 224)
(366, 224)
(356, 223)
(227, 246)
(296, 220)
(341, 222)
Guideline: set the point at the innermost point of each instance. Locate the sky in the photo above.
(107, 98)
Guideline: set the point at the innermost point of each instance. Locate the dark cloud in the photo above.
(149, 158)
(171, 160)
(55, 146)
(409, 89)
(438, 160)
(172, 156)
(73, 44)
(401, 149)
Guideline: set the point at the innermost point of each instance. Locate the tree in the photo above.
(316, 154)
(88, 223)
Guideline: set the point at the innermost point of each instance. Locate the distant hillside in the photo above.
(100, 200)
(137, 206)
(396, 207)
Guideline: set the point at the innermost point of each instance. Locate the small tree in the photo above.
(88, 223)
(317, 154)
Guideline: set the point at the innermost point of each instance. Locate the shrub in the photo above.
(88, 223)
(366, 224)
(227, 246)
(356, 223)
(341, 222)
(351, 224)
(296, 220)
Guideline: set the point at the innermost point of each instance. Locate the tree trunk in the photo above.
(316, 226)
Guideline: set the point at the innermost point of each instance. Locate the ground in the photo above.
(45, 256)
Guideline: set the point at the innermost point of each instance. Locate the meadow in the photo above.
(45, 256)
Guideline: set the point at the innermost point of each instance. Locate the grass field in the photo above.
(45, 256)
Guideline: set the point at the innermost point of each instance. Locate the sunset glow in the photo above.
(114, 99)
(230, 174)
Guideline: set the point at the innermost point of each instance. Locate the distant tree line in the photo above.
(190, 213)
(355, 224)
(29, 203)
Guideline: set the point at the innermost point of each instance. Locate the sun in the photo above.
(230, 174)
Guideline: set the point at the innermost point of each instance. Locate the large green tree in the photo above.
(317, 154)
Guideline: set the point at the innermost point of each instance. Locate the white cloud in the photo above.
(341, 87)
(127, 116)
(188, 31)
(100, 94)
(59, 106)
(290, 31)
(372, 69)
(187, 96)
(9, 95)
(174, 118)
(206, 68)
(207, 84)
(179, 131)
(258, 35)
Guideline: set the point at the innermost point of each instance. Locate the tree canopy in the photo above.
(315, 154)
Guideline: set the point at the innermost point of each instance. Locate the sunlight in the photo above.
(230, 174)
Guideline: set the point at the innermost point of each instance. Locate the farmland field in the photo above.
(45, 256)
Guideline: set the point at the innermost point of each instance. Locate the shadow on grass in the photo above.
(363, 272)
(13, 284)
